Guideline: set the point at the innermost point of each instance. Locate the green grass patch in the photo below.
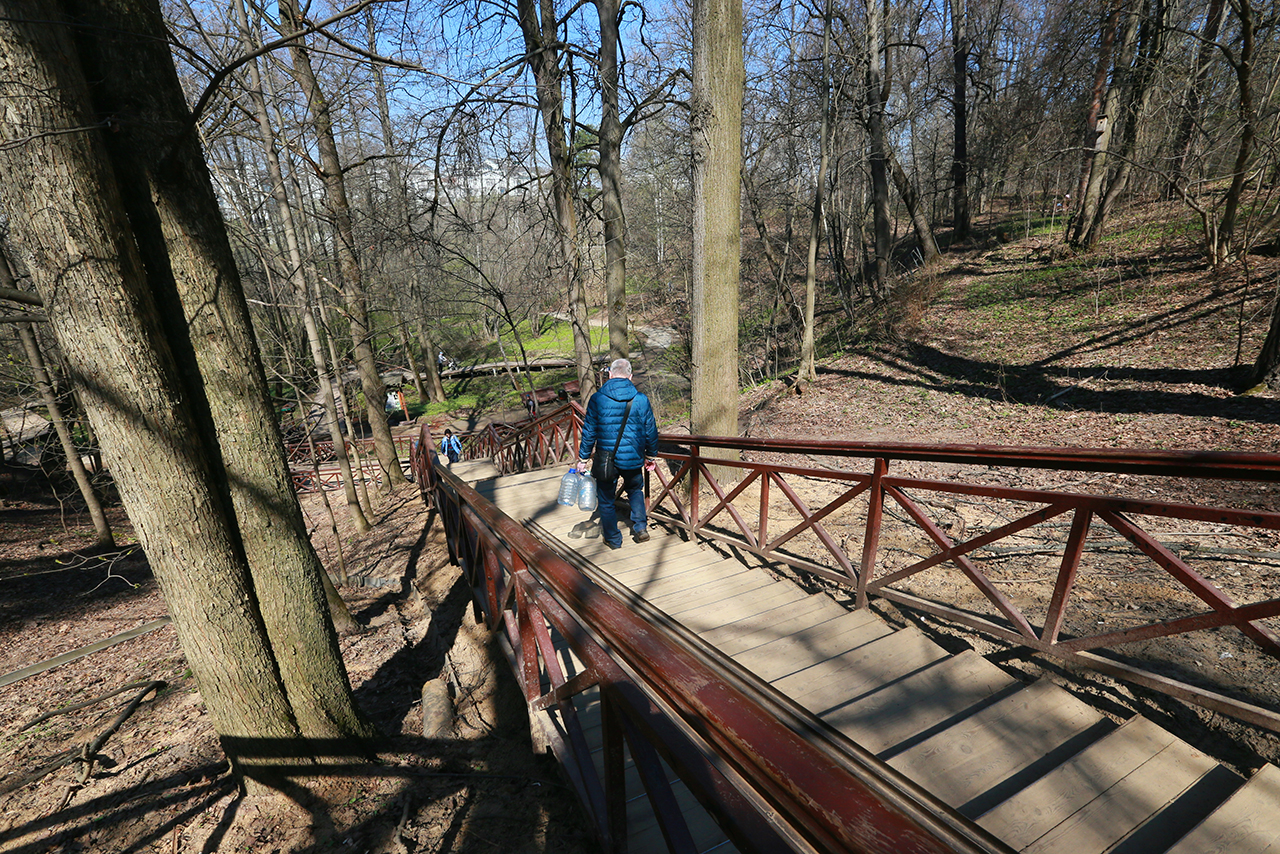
(1143, 236)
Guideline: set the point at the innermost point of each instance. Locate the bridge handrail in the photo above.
(677, 499)
(778, 777)
(693, 476)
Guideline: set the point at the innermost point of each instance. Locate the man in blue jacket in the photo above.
(637, 445)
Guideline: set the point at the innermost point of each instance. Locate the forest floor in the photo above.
(160, 783)
(1138, 352)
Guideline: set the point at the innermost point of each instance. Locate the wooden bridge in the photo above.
(703, 702)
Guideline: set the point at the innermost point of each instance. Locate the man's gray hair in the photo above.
(620, 368)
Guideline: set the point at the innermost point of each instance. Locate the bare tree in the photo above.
(354, 295)
(40, 376)
(301, 292)
(124, 239)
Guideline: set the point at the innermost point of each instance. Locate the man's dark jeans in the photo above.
(633, 485)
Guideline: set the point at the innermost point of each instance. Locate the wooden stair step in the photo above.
(932, 697)
(964, 761)
(857, 672)
(677, 557)
(711, 594)
(809, 646)
(654, 586)
(651, 557)
(1248, 821)
(744, 607)
(743, 633)
(1069, 788)
(1133, 803)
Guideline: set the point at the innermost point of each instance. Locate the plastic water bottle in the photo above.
(569, 485)
(587, 493)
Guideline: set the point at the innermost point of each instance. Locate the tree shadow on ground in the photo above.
(1048, 382)
(79, 582)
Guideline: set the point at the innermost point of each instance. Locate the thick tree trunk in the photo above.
(1138, 101)
(1228, 245)
(919, 218)
(1076, 225)
(1099, 166)
(1266, 369)
(147, 401)
(716, 124)
(355, 299)
(179, 232)
(410, 354)
(435, 386)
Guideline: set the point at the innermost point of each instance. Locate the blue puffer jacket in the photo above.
(604, 417)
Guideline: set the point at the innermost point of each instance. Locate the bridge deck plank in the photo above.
(1246, 822)
(965, 760)
(1039, 768)
(928, 699)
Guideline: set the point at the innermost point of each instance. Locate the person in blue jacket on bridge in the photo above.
(637, 447)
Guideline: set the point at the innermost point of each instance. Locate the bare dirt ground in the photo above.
(159, 782)
(1154, 369)
(1150, 368)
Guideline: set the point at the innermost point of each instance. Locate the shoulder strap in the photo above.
(618, 441)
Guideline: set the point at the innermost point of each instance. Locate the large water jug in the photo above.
(569, 488)
(587, 493)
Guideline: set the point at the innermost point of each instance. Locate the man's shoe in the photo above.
(614, 546)
(642, 536)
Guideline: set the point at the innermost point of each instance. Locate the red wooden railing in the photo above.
(691, 494)
(732, 739)
(776, 778)
(307, 479)
(840, 540)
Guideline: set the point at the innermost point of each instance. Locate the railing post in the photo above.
(871, 541)
(763, 528)
(695, 486)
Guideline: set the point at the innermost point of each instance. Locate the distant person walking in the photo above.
(619, 429)
(451, 447)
